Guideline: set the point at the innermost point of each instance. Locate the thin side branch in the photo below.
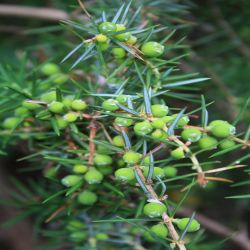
(166, 219)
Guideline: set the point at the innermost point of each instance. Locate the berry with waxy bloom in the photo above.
(118, 141)
(159, 110)
(132, 157)
(152, 49)
(56, 107)
(154, 209)
(101, 38)
(191, 134)
(170, 171)
(11, 122)
(107, 27)
(160, 230)
(226, 143)
(182, 223)
(71, 180)
(177, 153)
(125, 174)
(118, 53)
(80, 169)
(207, 142)
(110, 105)
(124, 122)
(79, 105)
(221, 129)
(102, 160)
(70, 117)
(143, 128)
(93, 176)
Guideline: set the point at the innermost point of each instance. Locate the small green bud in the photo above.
(124, 122)
(158, 134)
(61, 123)
(75, 225)
(132, 40)
(93, 176)
(11, 122)
(50, 173)
(50, 69)
(80, 169)
(49, 97)
(191, 134)
(125, 174)
(118, 53)
(153, 209)
(159, 110)
(56, 107)
(160, 230)
(87, 198)
(120, 27)
(182, 223)
(71, 180)
(123, 37)
(183, 121)
(131, 157)
(67, 101)
(70, 117)
(158, 123)
(22, 112)
(120, 163)
(78, 236)
(167, 119)
(170, 171)
(143, 128)
(103, 46)
(146, 161)
(101, 38)
(208, 142)
(227, 143)
(107, 27)
(152, 49)
(177, 153)
(102, 160)
(122, 99)
(158, 172)
(59, 78)
(118, 141)
(110, 105)
(78, 105)
(222, 129)
(101, 236)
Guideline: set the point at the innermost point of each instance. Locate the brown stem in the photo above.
(166, 219)
(92, 133)
(196, 165)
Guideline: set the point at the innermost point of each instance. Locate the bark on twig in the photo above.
(48, 14)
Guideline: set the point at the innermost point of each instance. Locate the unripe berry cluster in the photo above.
(110, 146)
